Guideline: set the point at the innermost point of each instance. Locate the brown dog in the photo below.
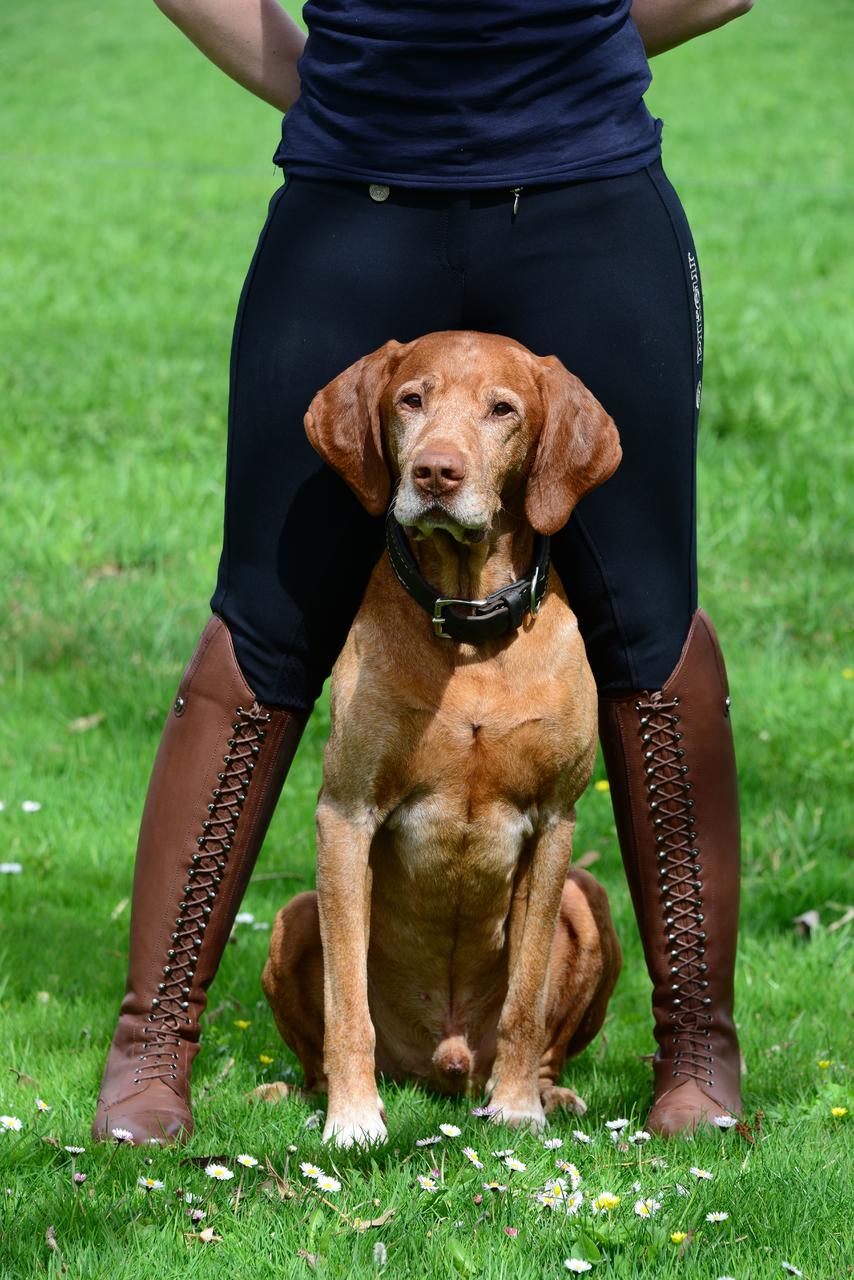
(449, 942)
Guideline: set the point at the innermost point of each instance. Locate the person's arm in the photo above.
(253, 41)
(663, 24)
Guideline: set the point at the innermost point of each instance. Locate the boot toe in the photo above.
(156, 1114)
(682, 1110)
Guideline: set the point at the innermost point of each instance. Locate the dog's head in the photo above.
(463, 423)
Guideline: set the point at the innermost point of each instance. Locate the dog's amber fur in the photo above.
(449, 942)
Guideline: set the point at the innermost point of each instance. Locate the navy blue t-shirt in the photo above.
(470, 93)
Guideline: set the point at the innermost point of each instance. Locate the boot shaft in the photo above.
(219, 769)
(671, 763)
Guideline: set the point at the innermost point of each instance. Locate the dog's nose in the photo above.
(438, 471)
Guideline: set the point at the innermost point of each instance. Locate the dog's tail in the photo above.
(452, 1058)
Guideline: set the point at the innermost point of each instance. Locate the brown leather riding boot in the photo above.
(216, 779)
(671, 767)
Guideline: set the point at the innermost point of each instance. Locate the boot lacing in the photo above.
(162, 1034)
(679, 871)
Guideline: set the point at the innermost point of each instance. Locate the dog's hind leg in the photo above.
(583, 969)
(293, 984)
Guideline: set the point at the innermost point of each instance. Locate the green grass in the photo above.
(135, 179)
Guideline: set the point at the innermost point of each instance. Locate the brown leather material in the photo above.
(671, 766)
(219, 769)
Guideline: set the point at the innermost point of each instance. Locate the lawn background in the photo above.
(134, 183)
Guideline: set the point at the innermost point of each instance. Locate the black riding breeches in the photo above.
(601, 273)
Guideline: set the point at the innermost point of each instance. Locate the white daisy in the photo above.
(577, 1265)
(646, 1208)
(150, 1184)
(792, 1270)
(552, 1144)
(703, 1174)
(717, 1216)
(10, 1122)
(640, 1136)
(555, 1187)
(450, 1130)
(427, 1184)
(500, 1155)
(494, 1186)
(11, 868)
(219, 1172)
(122, 1135)
(472, 1156)
(30, 806)
(566, 1167)
(616, 1126)
(516, 1165)
(244, 917)
(574, 1202)
(483, 1111)
(604, 1202)
(725, 1122)
(428, 1142)
(328, 1184)
(75, 1151)
(310, 1170)
(41, 1105)
(248, 1162)
(581, 1137)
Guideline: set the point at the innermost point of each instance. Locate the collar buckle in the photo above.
(442, 603)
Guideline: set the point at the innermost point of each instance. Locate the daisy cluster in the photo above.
(547, 1180)
(565, 1191)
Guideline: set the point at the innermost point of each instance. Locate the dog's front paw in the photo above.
(554, 1097)
(356, 1126)
(519, 1112)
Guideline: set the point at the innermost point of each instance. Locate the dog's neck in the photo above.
(473, 571)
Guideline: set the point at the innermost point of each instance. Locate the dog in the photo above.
(449, 941)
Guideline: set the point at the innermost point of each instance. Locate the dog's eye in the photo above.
(502, 409)
(412, 401)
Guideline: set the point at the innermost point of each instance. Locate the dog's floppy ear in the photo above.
(343, 424)
(577, 449)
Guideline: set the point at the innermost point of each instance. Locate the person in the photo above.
(487, 166)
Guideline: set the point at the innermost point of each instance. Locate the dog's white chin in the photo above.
(421, 521)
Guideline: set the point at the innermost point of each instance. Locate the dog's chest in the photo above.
(475, 775)
(437, 840)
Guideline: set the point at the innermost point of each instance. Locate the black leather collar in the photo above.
(500, 612)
